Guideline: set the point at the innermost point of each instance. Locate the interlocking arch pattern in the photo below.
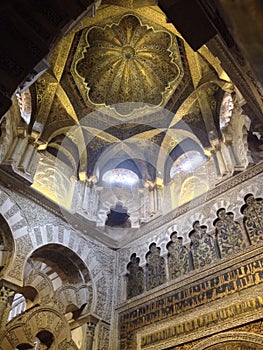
(31, 325)
(53, 278)
(228, 238)
(28, 240)
(52, 281)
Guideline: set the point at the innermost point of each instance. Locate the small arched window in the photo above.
(226, 110)
(120, 177)
(187, 163)
(18, 306)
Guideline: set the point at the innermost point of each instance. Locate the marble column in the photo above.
(90, 335)
(90, 331)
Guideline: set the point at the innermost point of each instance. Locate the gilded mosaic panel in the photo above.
(184, 299)
(203, 248)
(245, 337)
(178, 257)
(229, 234)
(236, 345)
(155, 268)
(253, 218)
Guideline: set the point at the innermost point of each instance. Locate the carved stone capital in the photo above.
(90, 331)
(6, 298)
(5, 294)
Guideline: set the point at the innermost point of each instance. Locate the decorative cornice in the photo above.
(223, 187)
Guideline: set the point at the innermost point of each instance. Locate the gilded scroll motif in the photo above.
(253, 218)
(236, 345)
(178, 257)
(211, 318)
(155, 268)
(189, 297)
(244, 337)
(135, 277)
(229, 234)
(202, 248)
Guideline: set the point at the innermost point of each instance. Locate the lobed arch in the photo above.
(73, 299)
(253, 189)
(57, 276)
(31, 324)
(227, 204)
(28, 239)
(192, 219)
(65, 238)
(180, 233)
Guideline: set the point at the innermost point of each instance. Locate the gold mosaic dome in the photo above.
(127, 61)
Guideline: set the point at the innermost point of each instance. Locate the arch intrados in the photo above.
(45, 337)
(58, 257)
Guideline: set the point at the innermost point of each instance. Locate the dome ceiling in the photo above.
(127, 61)
(123, 88)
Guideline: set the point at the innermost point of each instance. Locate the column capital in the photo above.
(90, 330)
(91, 322)
(9, 285)
(6, 299)
(92, 319)
(6, 293)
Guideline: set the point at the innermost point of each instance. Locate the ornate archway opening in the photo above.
(6, 244)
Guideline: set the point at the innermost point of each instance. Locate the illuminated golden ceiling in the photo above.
(124, 84)
(127, 61)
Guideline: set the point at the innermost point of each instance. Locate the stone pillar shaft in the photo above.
(90, 335)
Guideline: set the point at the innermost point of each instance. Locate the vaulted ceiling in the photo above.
(125, 79)
(124, 90)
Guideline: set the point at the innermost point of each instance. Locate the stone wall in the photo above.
(204, 268)
(34, 228)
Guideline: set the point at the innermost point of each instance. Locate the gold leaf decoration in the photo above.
(127, 62)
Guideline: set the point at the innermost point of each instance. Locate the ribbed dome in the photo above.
(127, 62)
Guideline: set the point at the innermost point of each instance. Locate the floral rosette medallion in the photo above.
(127, 62)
